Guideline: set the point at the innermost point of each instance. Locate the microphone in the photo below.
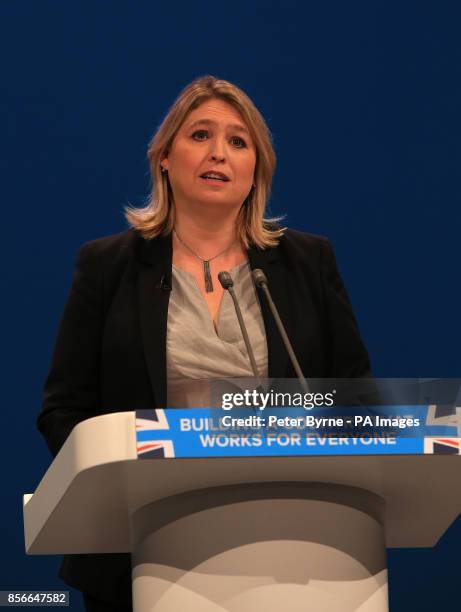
(228, 284)
(261, 281)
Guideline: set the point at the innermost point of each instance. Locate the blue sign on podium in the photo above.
(285, 432)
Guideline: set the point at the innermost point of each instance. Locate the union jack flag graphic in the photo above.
(442, 446)
(443, 416)
(152, 421)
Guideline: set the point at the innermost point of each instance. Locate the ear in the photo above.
(164, 163)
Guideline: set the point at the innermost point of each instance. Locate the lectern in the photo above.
(241, 533)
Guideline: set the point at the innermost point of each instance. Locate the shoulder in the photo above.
(110, 252)
(116, 244)
(295, 237)
(102, 264)
(303, 246)
(106, 260)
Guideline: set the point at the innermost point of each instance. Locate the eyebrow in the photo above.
(235, 126)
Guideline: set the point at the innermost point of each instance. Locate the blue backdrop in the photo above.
(363, 100)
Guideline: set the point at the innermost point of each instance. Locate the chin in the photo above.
(216, 199)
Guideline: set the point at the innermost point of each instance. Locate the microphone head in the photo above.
(259, 277)
(226, 280)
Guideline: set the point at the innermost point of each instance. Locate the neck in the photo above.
(206, 234)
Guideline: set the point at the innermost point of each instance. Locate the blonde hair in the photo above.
(158, 216)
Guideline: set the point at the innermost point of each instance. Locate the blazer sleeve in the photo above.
(71, 392)
(347, 355)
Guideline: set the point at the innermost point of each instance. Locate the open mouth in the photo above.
(214, 176)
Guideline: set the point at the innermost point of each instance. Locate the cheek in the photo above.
(182, 171)
(182, 157)
(247, 170)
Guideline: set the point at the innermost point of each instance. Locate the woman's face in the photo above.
(212, 139)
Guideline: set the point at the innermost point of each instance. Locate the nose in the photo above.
(217, 150)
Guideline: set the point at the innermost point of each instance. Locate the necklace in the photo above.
(206, 262)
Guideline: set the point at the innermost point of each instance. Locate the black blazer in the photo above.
(110, 353)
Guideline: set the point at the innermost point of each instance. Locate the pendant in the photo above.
(208, 279)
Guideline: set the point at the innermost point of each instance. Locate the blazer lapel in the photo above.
(269, 261)
(154, 287)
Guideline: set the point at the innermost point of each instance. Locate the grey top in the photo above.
(196, 351)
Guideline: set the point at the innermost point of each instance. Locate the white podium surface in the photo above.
(97, 473)
(240, 534)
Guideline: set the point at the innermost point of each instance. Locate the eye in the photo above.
(238, 142)
(200, 135)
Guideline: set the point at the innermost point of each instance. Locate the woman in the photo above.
(146, 313)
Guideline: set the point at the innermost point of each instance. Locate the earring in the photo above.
(163, 170)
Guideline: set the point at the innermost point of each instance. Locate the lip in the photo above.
(217, 172)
